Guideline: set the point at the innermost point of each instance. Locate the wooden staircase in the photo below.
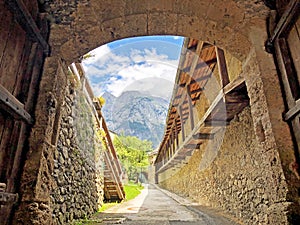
(113, 187)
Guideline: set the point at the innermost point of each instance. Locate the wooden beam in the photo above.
(223, 73)
(170, 148)
(216, 123)
(203, 136)
(234, 84)
(201, 65)
(293, 111)
(201, 78)
(192, 146)
(191, 108)
(236, 98)
(24, 18)
(174, 140)
(283, 26)
(13, 106)
(195, 91)
(182, 125)
(196, 59)
(289, 67)
(286, 70)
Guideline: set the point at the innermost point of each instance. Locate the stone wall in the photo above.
(242, 180)
(78, 171)
(245, 33)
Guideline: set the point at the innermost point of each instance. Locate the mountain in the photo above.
(136, 114)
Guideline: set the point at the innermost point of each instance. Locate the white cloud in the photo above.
(113, 72)
(97, 54)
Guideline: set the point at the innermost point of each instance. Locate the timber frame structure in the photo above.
(198, 64)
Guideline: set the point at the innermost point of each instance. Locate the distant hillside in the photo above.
(136, 114)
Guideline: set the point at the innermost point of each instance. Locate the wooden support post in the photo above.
(196, 60)
(182, 124)
(191, 108)
(173, 139)
(223, 73)
(169, 150)
(287, 73)
(172, 142)
(176, 133)
(165, 152)
(286, 70)
(164, 156)
(171, 146)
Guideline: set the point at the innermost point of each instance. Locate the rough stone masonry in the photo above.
(76, 27)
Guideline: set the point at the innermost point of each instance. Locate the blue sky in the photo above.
(146, 64)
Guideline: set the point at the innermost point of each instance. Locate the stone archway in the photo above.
(235, 26)
(86, 25)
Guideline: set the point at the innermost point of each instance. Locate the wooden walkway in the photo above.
(196, 79)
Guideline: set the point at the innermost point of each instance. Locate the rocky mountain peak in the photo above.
(136, 114)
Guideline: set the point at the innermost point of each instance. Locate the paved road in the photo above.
(159, 207)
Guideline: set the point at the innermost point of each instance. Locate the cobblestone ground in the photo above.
(155, 206)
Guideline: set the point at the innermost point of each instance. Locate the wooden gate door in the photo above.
(21, 60)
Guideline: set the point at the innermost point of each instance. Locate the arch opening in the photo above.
(235, 27)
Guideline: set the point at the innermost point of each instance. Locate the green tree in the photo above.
(133, 154)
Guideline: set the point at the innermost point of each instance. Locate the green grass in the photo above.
(132, 190)
(107, 205)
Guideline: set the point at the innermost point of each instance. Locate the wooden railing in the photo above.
(110, 156)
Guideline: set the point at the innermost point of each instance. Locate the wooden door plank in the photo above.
(4, 144)
(5, 28)
(12, 58)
